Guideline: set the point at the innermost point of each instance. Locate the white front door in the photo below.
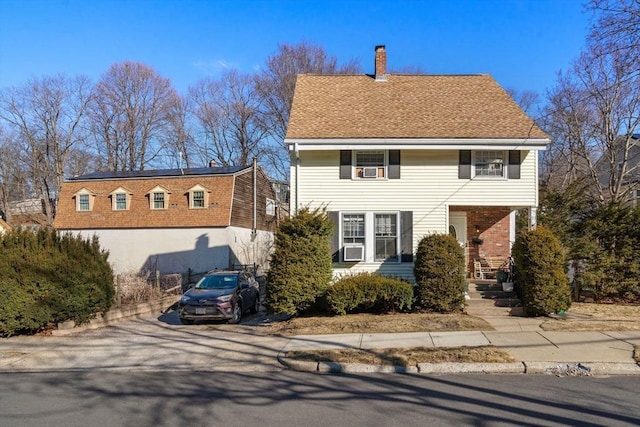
(458, 229)
(458, 226)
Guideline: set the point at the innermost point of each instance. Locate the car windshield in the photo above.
(219, 281)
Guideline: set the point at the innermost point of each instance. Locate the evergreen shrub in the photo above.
(439, 271)
(48, 277)
(369, 293)
(300, 267)
(540, 272)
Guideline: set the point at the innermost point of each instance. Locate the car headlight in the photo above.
(224, 298)
(185, 299)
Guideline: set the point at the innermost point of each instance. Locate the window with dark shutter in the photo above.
(464, 165)
(394, 164)
(345, 164)
(406, 236)
(514, 164)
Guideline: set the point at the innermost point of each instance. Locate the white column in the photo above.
(533, 220)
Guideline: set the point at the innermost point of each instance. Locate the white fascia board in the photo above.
(298, 144)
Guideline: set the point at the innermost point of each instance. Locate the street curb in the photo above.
(471, 368)
(582, 368)
(546, 368)
(116, 315)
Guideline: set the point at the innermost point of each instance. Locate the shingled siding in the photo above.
(139, 215)
(242, 210)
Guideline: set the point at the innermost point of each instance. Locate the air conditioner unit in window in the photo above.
(353, 253)
(369, 172)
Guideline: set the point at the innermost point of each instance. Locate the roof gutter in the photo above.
(331, 144)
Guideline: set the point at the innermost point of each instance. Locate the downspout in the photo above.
(255, 199)
(297, 159)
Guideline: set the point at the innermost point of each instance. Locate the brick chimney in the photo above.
(381, 63)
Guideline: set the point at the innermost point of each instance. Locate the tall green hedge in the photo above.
(48, 277)
(440, 274)
(300, 267)
(540, 272)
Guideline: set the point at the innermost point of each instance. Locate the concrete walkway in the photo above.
(159, 342)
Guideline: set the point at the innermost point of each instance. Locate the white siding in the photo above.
(428, 185)
(175, 250)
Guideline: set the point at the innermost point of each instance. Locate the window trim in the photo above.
(90, 200)
(357, 172)
(505, 166)
(191, 197)
(114, 199)
(270, 207)
(151, 195)
(369, 238)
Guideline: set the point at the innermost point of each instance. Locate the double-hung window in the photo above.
(386, 237)
(353, 229)
(370, 164)
(158, 200)
(198, 199)
(490, 164)
(121, 201)
(83, 202)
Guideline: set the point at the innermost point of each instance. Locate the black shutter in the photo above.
(394, 164)
(345, 164)
(406, 236)
(514, 164)
(334, 217)
(464, 165)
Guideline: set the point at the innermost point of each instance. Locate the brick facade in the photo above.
(493, 226)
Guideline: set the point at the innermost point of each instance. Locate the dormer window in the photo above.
(120, 199)
(198, 197)
(84, 200)
(158, 198)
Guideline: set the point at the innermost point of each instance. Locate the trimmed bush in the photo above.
(540, 272)
(369, 293)
(50, 278)
(440, 274)
(300, 267)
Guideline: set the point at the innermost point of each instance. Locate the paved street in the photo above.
(289, 398)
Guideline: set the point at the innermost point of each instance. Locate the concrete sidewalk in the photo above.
(161, 343)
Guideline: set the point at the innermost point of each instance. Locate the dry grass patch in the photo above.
(378, 323)
(597, 317)
(405, 356)
(636, 353)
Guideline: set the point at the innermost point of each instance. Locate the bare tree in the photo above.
(617, 28)
(593, 113)
(228, 113)
(45, 117)
(276, 85)
(134, 110)
(526, 99)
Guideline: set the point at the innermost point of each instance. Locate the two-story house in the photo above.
(396, 157)
(175, 220)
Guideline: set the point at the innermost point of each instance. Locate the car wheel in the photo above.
(187, 321)
(256, 305)
(237, 314)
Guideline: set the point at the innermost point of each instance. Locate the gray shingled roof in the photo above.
(160, 173)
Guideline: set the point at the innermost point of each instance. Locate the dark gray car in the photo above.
(220, 295)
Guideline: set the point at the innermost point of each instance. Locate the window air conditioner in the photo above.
(353, 253)
(369, 172)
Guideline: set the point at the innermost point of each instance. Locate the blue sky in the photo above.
(522, 43)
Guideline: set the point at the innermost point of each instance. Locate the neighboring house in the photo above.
(629, 178)
(396, 157)
(28, 213)
(174, 221)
